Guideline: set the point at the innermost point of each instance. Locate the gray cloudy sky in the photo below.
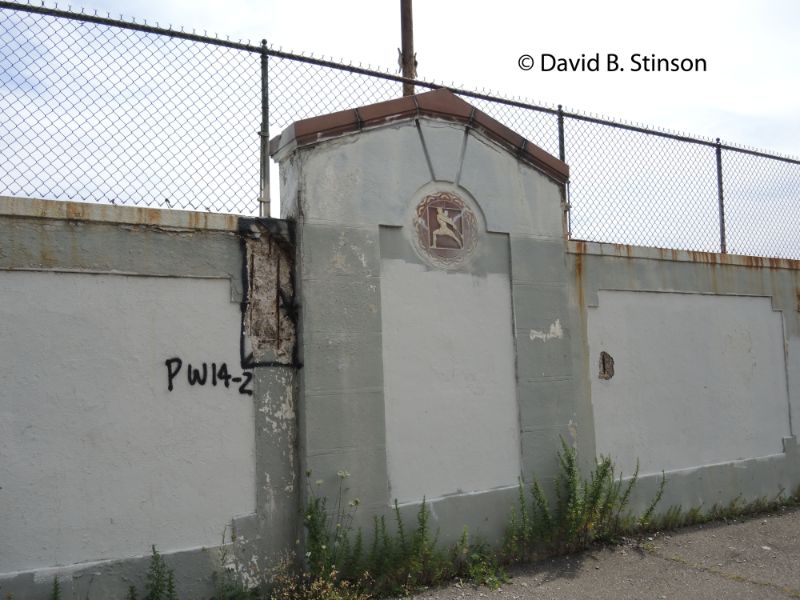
(749, 94)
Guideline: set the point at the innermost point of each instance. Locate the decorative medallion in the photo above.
(446, 228)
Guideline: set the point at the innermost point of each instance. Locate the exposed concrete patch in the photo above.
(270, 314)
(606, 366)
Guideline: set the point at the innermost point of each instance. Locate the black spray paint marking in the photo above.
(173, 368)
(199, 376)
(194, 375)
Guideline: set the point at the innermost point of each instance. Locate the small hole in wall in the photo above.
(606, 366)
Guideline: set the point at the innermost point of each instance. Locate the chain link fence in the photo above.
(101, 110)
(97, 113)
(630, 187)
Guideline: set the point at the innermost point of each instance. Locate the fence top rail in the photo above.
(130, 25)
(263, 48)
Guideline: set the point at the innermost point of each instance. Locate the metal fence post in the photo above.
(263, 199)
(722, 242)
(562, 155)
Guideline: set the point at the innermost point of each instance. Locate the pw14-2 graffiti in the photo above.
(212, 374)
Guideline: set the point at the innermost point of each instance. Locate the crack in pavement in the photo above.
(791, 592)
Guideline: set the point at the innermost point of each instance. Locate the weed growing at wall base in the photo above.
(392, 561)
(55, 594)
(341, 563)
(677, 516)
(160, 580)
(399, 561)
(586, 511)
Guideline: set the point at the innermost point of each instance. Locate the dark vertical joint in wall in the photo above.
(278, 295)
(269, 310)
(425, 148)
(721, 198)
(464, 146)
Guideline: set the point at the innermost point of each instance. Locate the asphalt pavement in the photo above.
(754, 558)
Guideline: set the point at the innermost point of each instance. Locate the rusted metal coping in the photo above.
(123, 215)
(439, 104)
(581, 247)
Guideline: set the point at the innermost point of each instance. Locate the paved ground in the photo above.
(757, 558)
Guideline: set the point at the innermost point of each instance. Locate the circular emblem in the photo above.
(446, 228)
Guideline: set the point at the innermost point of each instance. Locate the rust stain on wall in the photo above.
(709, 258)
(579, 280)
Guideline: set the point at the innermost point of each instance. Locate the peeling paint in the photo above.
(555, 332)
(280, 418)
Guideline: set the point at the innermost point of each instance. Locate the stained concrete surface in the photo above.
(757, 558)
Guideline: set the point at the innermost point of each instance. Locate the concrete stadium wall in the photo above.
(428, 379)
(706, 359)
(420, 376)
(419, 321)
(129, 417)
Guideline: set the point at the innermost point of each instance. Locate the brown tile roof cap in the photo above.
(441, 103)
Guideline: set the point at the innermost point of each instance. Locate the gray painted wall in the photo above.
(420, 374)
(707, 371)
(99, 458)
(421, 379)
(706, 368)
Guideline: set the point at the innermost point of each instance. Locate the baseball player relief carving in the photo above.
(446, 228)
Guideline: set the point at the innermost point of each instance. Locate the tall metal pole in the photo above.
(407, 56)
(263, 196)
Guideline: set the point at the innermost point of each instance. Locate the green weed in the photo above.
(676, 516)
(160, 580)
(396, 559)
(477, 562)
(55, 593)
(586, 510)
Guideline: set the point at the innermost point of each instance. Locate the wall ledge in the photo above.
(109, 213)
(652, 253)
